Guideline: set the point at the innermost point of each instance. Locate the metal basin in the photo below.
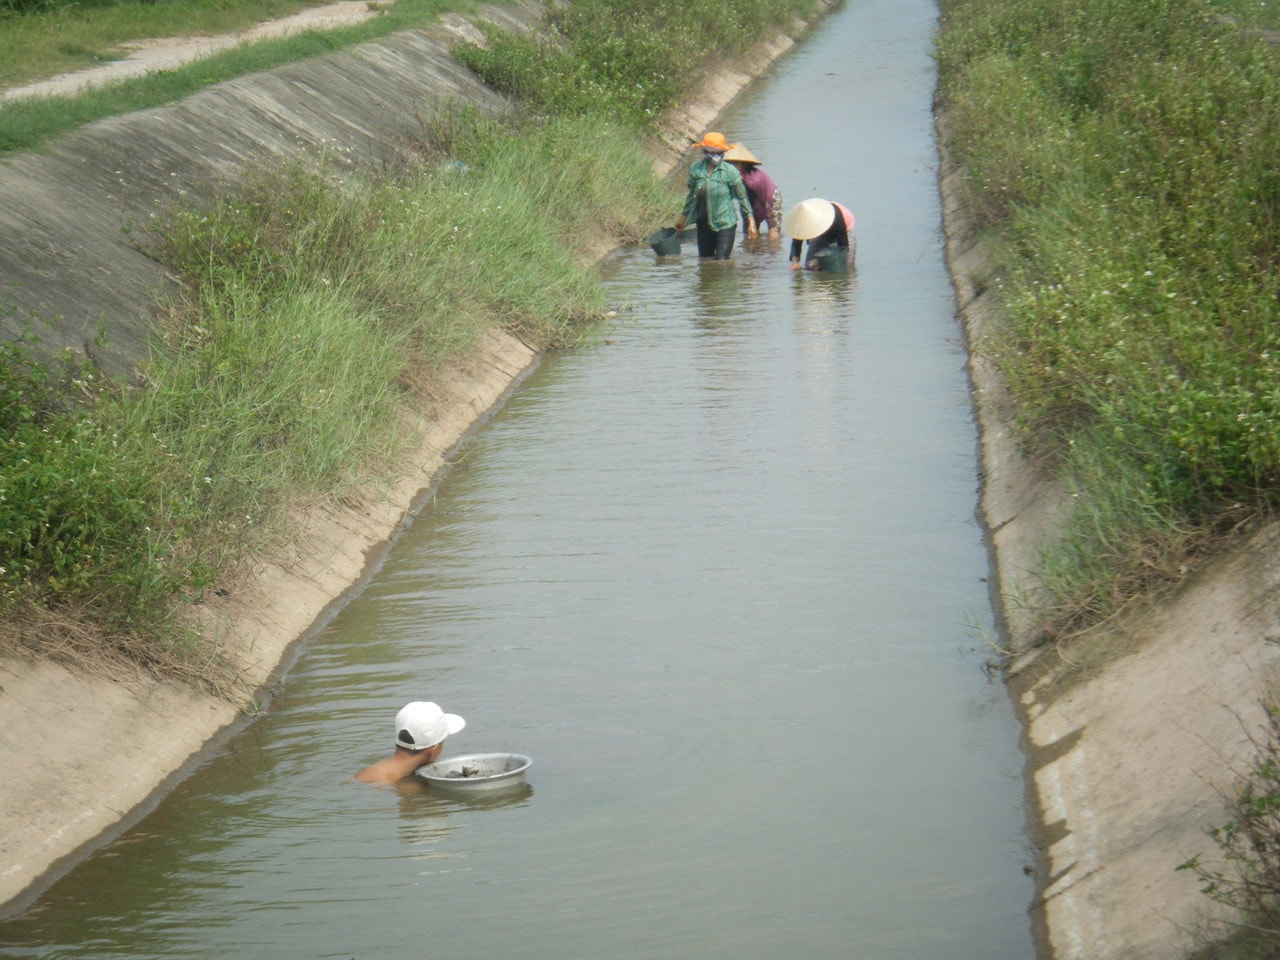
(477, 772)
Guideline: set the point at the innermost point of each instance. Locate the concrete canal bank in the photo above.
(1133, 732)
(71, 221)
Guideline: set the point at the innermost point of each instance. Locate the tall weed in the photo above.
(1245, 875)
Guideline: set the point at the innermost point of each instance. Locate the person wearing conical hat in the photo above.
(824, 223)
(714, 199)
(765, 197)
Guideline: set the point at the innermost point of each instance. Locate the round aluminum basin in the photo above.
(476, 772)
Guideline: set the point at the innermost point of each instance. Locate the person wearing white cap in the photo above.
(824, 223)
(421, 727)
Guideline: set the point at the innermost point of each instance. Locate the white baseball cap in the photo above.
(423, 724)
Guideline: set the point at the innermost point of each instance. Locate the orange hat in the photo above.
(713, 141)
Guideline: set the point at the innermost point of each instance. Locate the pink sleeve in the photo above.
(848, 216)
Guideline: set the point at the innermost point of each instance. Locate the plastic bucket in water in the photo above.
(665, 243)
(833, 260)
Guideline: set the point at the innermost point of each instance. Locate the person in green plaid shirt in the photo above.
(716, 197)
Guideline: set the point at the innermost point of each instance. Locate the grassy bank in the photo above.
(1121, 159)
(318, 310)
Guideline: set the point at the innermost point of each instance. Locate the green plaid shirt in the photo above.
(721, 187)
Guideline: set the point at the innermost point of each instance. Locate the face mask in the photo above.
(713, 159)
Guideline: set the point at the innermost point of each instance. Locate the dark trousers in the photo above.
(715, 244)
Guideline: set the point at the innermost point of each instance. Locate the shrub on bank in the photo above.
(1245, 874)
(76, 507)
(1121, 158)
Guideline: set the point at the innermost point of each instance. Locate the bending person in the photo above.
(827, 225)
(715, 197)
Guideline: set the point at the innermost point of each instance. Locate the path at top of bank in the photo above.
(64, 243)
(166, 53)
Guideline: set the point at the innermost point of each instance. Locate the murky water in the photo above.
(719, 576)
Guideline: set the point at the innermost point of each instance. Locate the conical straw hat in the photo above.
(740, 153)
(809, 218)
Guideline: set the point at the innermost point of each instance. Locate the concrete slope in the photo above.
(74, 221)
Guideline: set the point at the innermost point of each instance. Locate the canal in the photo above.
(719, 574)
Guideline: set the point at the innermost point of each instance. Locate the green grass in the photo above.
(1120, 156)
(1263, 14)
(58, 39)
(28, 123)
(630, 61)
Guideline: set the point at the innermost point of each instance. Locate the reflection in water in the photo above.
(824, 302)
(823, 314)
(719, 289)
(425, 812)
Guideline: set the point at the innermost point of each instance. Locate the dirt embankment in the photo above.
(1131, 734)
(85, 755)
